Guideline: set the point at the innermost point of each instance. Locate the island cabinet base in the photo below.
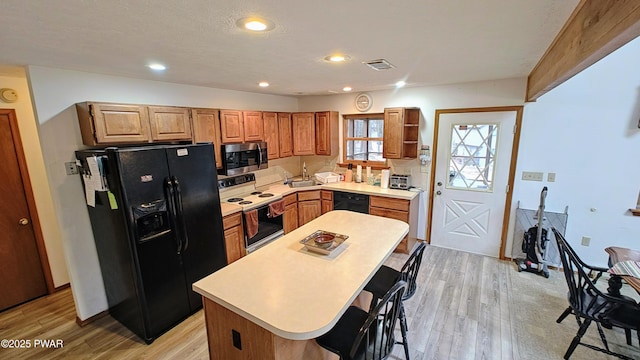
(232, 337)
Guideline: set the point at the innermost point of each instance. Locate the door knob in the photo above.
(23, 221)
(438, 192)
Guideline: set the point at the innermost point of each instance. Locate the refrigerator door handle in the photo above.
(180, 213)
(170, 194)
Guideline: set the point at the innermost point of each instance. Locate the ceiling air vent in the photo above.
(379, 64)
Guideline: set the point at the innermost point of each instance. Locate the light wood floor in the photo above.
(467, 307)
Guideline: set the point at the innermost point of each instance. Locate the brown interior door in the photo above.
(21, 272)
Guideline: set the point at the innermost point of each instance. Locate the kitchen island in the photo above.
(272, 303)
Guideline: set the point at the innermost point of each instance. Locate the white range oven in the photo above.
(261, 223)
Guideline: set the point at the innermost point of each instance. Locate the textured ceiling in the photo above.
(429, 41)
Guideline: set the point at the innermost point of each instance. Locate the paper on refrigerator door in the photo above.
(89, 190)
(96, 177)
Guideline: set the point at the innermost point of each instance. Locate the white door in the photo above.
(473, 159)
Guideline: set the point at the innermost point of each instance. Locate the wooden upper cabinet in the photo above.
(303, 127)
(401, 131)
(169, 123)
(271, 135)
(102, 123)
(253, 129)
(231, 126)
(327, 133)
(206, 128)
(285, 137)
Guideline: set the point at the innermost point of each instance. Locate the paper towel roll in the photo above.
(384, 179)
(359, 173)
(368, 171)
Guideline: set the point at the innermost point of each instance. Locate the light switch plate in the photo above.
(551, 177)
(531, 176)
(586, 241)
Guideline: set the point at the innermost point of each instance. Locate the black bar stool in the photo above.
(386, 277)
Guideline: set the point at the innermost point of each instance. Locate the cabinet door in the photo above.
(231, 126)
(326, 133)
(234, 243)
(169, 123)
(206, 128)
(253, 130)
(327, 200)
(308, 210)
(303, 126)
(393, 130)
(114, 123)
(271, 136)
(290, 218)
(285, 136)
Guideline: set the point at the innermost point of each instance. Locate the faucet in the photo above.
(305, 176)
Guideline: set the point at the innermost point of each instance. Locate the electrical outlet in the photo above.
(71, 168)
(551, 177)
(586, 241)
(531, 176)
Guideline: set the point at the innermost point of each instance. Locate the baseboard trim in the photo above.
(95, 317)
(62, 287)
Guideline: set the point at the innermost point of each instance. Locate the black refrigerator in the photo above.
(157, 226)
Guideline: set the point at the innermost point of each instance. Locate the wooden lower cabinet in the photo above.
(290, 216)
(327, 200)
(233, 236)
(309, 206)
(399, 209)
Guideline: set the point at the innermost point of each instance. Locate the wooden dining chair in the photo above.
(589, 304)
(361, 335)
(386, 277)
(594, 273)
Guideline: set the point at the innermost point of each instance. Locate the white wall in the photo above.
(586, 131)
(37, 176)
(54, 94)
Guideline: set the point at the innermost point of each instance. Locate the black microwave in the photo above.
(242, 158)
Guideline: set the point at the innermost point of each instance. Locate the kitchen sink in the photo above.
(302, 183)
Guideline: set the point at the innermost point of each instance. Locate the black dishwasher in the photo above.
(350, 201)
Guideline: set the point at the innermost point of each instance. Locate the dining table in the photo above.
(617, 255)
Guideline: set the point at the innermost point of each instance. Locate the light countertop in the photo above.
(280, 190)
(300, 295)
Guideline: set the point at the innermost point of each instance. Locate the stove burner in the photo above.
(234, 199)
(265, 195)
(245, 202)
(256, 193)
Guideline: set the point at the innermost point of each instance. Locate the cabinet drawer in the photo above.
(327, 195)
(388, 213)
(290, 199)
(389, 203)
(232, 220)
(309, 195)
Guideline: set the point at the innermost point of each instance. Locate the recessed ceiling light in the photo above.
(336, 58)
(263, 84)
(157, 67)
(347, 88)
(400, 84)
(255, 24)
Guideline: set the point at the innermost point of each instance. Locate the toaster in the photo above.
(397, 181)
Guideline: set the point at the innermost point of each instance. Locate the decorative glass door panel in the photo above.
(472, 156)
